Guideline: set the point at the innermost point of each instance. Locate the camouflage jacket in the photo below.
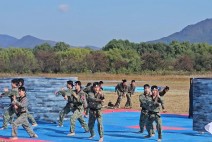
(79, 102)
(131, 89)
(94, 100)
(22, 103)
(154, 104)
(120, 88)
(144, 99)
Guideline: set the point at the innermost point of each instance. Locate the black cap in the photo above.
(88, 84)
(124, 80)
(78, 82)
(70, 83)
(154, 87)
(95, 84)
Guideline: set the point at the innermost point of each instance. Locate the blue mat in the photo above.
(118, 127)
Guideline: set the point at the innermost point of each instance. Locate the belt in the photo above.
(93, 109)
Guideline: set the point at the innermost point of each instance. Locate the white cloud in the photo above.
(63, 8)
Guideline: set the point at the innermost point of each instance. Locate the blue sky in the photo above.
(96, 22)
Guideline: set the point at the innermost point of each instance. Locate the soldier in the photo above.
(78, 100)
(131, 90)
(20, 106)
(10, 111)
(101, 85)
(121, 90)
(154, 113)
(29, 116)
(143, 98)
(66, 94)
(96, 100)
(88, 88)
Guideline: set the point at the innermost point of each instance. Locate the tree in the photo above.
(61, 46)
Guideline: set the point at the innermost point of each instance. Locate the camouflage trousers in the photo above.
(154, 118)
(129, 102)
(143, 121)
(31, 118)
(62, 114)
(8, 116)
(119, 99)
(22, 120)
(78, 115)
(93, 116)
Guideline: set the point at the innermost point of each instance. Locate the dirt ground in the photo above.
(176, 100)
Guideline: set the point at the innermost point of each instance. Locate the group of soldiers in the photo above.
(87, 102)
(90, 100)
(18, 107)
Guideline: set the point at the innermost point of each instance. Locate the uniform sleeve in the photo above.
(116, 88)
(91, 98)
(10, 93)
(23, 103)
(162, 93)
(133, 91)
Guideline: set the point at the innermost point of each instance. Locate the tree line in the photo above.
(117, 56)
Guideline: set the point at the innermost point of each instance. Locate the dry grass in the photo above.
(176, 100)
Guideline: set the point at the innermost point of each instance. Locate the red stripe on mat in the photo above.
(2, 139)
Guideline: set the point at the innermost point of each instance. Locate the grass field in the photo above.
(176, 100)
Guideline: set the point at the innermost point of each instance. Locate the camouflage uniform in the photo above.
(131, 90)
(78, 104)
(144, 98)
(68, 106)
(154, 115)
(121, 91)
(95, 106)
(22, 104)
(87, 90)
(10, 112)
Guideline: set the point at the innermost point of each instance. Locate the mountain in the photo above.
(196, 33)
(25, 42)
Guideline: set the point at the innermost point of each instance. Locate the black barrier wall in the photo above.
(202, 102)
(43, 103)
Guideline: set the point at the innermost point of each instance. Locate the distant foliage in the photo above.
(118, 56)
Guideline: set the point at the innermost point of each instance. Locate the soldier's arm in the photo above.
(24, 103)
(133, 91)
(61, 92)
(91, 98)
(116, 88)
(165, 90)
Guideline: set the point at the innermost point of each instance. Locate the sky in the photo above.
(96, 22)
